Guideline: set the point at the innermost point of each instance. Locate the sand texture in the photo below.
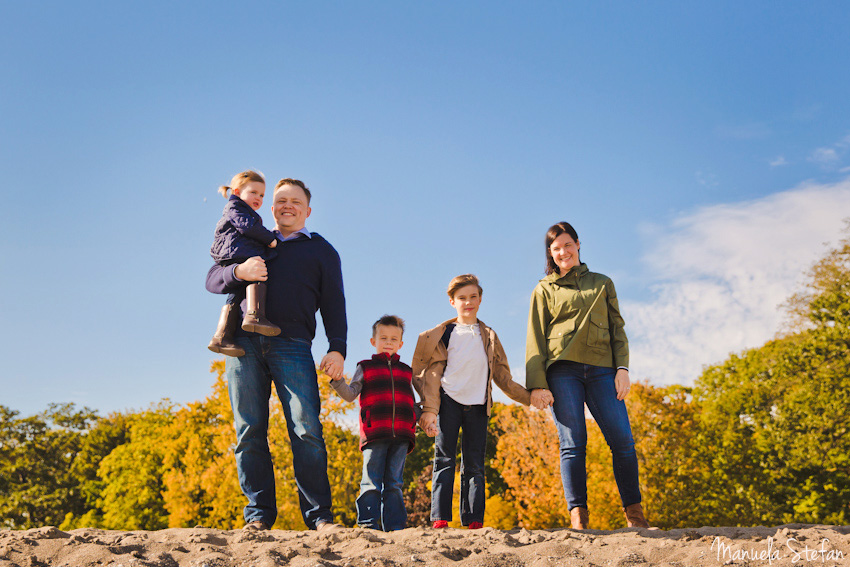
(202, 547)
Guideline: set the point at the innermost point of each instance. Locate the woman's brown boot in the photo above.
(579, 518)
(222, 341)
(255, 318)
(635, 517)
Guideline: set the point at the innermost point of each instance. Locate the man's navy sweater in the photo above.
(304, 277)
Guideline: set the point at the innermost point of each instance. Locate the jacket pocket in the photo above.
(559, 336)
(598, 335)
(366, 418)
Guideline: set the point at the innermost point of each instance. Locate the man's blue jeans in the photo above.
(473, 419)
(381, 502)
(573, 384)
(289, 364)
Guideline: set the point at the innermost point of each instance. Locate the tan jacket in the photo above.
(429, 363)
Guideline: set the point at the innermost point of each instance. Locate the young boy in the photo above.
(387, 426)
(454, 366)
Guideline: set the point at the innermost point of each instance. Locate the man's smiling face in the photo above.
(290, 208)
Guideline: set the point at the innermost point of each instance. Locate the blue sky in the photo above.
(701, 151)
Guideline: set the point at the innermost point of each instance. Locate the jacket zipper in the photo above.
(392, 390)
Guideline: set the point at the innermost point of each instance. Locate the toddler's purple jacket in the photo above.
(240, 233)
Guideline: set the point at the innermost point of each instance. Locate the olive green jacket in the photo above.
(575, 317)
(429, 363)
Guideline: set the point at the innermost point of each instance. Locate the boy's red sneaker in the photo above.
(440, 524)
(475, 525)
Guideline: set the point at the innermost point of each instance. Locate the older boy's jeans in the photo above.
(289, 364)
(381, 502)
(573, 384)
(473, 419)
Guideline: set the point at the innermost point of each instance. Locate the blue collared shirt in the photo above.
(294, 235)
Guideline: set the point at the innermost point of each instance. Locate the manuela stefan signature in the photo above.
(770, 553)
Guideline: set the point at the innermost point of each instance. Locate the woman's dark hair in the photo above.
(554, 232)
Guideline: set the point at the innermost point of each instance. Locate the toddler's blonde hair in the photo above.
(241, 179)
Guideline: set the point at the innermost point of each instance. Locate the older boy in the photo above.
(387, 426)
(454, 366)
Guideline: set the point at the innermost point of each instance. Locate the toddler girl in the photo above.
(240, 235)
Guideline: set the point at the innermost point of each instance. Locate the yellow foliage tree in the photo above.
(178, 470)
(527, 457)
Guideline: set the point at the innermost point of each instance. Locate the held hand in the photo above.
(332, 365)
(428, 423)
(622, 383)
(252, 270)
(541, 398)
(273, 244)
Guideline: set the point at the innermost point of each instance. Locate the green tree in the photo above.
(38, 485)
(131, 497)
(674, 473)
(774, 420)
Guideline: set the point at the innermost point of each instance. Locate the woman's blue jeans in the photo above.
(473, 420)
(381, 501)
(289, 364)
(573, 385)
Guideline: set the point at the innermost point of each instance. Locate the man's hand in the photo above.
(332, 365)
(428, 423)
(252, 270)
(273, 244)
(541, 398)
(622, 383)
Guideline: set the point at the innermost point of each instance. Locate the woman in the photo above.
(577, 353)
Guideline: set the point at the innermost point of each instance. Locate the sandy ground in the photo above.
(202, 547)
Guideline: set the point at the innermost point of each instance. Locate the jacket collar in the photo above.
(384, 357)
(571, 276)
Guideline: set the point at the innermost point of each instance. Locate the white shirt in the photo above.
(465, 377)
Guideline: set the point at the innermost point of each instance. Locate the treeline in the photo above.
(761, 439)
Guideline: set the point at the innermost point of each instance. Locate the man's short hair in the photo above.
(463, 281)
(297, 183)
(388, 321)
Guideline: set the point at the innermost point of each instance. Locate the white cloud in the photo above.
(823, 156)
(780, 160)
(720, 275)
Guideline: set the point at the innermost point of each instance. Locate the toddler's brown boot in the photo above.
(255, 318)
(222, 340)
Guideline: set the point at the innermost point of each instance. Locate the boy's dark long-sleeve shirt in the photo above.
(304, 277)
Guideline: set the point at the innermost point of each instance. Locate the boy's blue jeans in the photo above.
(381, 502)
(289, 364)
(572, 385)
(473, 419)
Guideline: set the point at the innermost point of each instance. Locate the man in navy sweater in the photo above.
(303, 278)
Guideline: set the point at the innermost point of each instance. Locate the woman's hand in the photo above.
(622, 383)
(252, 270)
(541, 398)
